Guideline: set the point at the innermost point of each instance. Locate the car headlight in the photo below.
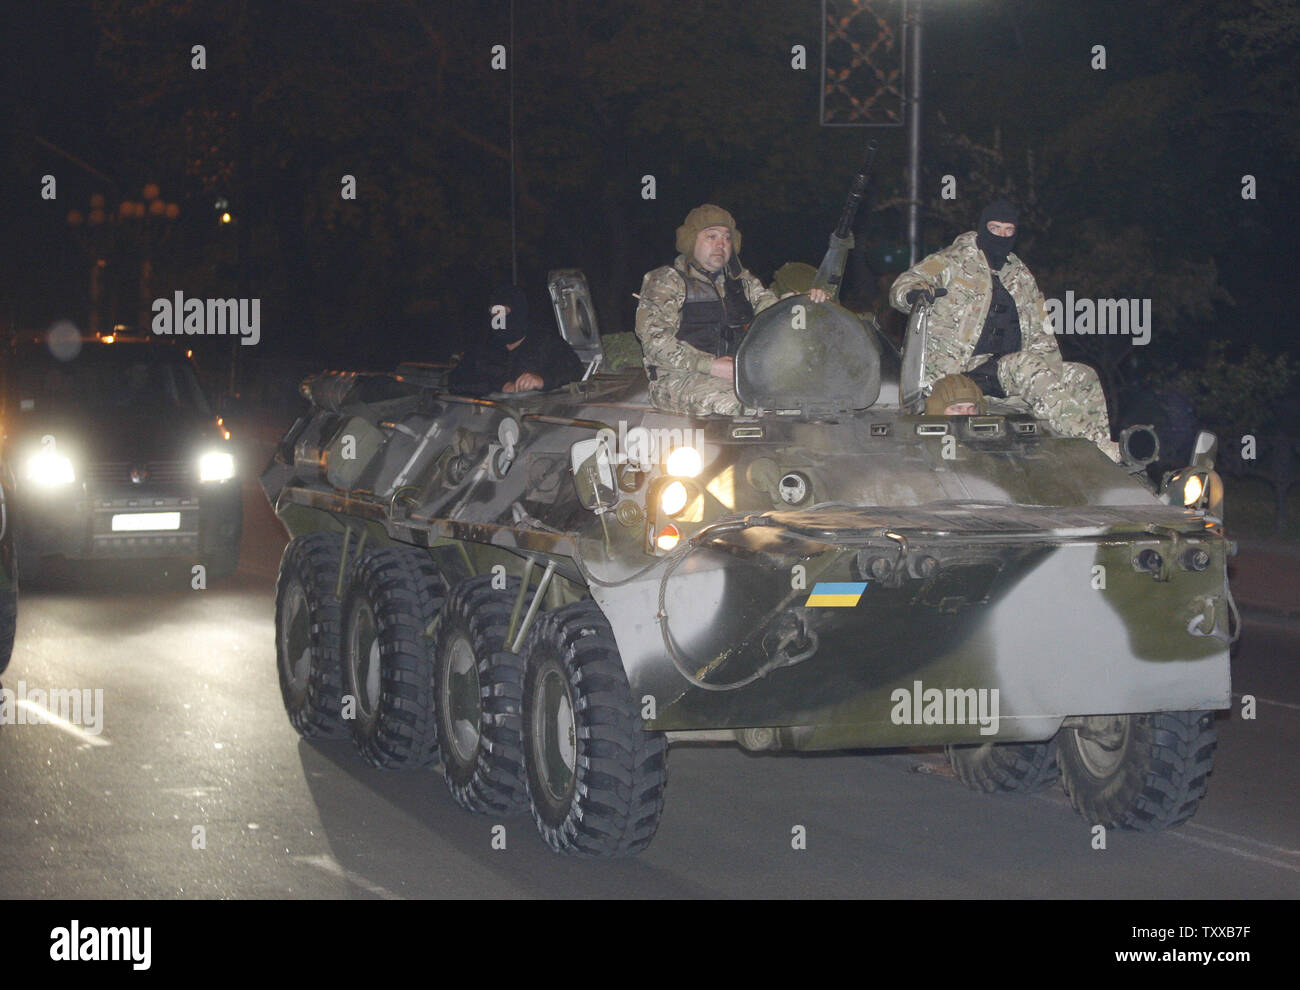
(1193, 488)
(216, 465)
(49, 468)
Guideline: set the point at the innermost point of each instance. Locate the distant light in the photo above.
(226, 218)
(109, 339)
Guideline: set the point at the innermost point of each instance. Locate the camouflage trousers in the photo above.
(1070, 399)
(693, 393)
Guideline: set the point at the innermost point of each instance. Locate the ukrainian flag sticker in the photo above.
(831, 594)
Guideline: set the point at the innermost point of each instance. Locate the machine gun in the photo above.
(832, 267)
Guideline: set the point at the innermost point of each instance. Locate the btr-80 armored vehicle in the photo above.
(541, 590)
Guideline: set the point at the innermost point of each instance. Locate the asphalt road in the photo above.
(194, 746)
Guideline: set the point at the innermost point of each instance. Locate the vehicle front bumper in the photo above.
(78, 525)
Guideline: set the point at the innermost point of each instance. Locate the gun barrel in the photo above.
(856, 192)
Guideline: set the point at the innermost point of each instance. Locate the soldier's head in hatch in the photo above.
(709, 237)
(996, 233)
(955, 395)
(508, 315)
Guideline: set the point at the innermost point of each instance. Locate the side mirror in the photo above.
(593, 474)
(1203, 453)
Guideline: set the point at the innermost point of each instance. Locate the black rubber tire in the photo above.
(307, 612)
(1019, 768)
(399, 592)
(8, 625)
(1159, 777)
(615, 792)
(489, 777)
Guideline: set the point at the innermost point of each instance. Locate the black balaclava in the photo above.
(516, 320)
(997, 248)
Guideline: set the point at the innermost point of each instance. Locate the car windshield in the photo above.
(106, 377)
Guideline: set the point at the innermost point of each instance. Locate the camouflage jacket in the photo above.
(658, 316)
(957, 318)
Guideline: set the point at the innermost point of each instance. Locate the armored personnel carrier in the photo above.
(540, 591)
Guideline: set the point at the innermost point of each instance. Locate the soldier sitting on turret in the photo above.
(693, 314)
(989, 322)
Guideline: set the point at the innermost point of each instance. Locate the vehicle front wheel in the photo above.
(307, 634)
(479, 687)
(1020, 768)
(1139, 772)
(595, 776)
(393, 597)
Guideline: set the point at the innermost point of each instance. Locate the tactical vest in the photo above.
(1001, 333)
(711, 323)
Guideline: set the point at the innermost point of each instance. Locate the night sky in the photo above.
(1130, 177)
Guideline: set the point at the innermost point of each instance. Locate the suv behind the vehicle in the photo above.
(116, 454)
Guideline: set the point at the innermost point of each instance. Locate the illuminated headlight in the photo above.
(47, 468)
(684, 462)
(1193, 488)
(672, 499)
(667, 538)
(216, 465)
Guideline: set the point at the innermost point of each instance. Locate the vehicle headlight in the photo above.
(1193, 488)
(684, 462)
(672, 498)
(216, 465)
(49, 468)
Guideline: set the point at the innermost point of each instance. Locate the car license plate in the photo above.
(135, 521)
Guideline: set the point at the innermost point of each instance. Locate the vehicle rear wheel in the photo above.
(595, 776)
(478, 697)
(1139, 772)
(1021, 768)
(393, 597)
(307, 634)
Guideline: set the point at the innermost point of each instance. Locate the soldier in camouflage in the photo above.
(693, 314)
(989, 321)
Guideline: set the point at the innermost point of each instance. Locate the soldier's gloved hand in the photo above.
(929, 295)
(724, 368)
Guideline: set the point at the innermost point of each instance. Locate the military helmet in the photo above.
(793, 276)
(707, 215)
(951, 389)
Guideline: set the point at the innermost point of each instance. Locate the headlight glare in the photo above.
(1193, 487)
(48, 468)
(684, 462)
(216, 465)
(673, 498)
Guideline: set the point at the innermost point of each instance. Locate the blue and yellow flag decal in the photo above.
(831, 594)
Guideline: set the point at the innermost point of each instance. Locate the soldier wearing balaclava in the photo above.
(987, 320)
